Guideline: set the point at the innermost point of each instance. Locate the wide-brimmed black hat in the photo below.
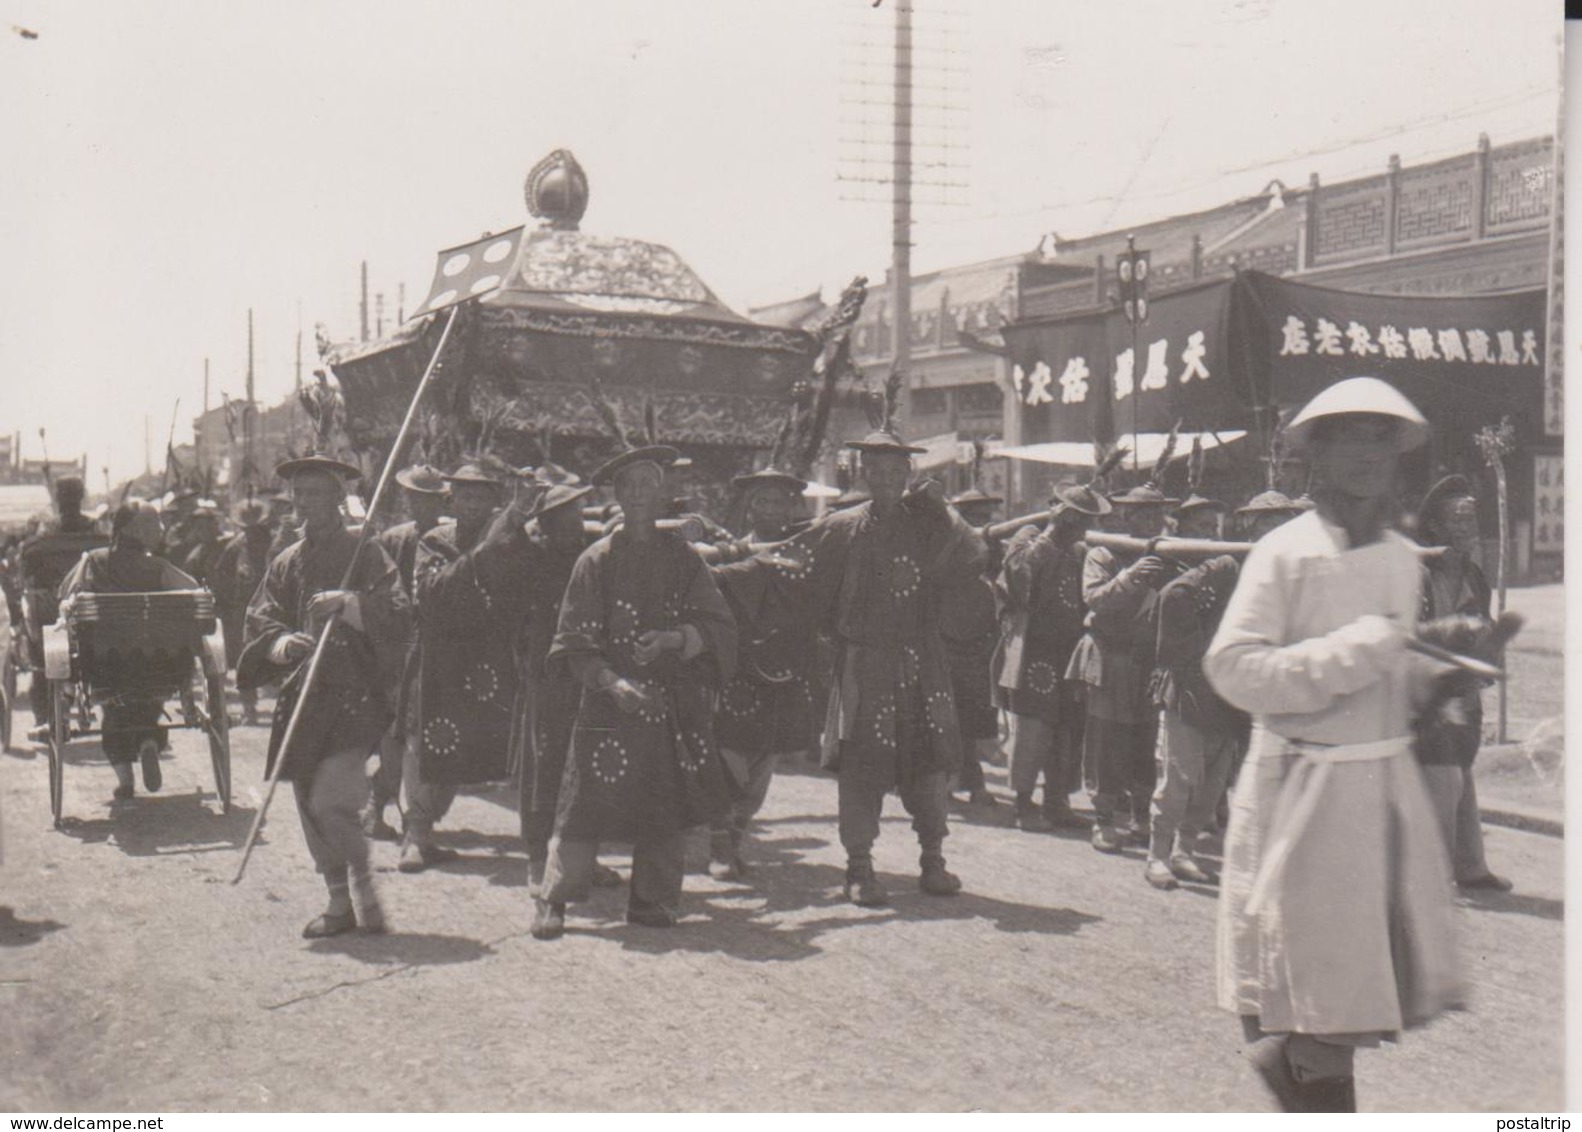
(1271, 501)
(1080, 497)
(474, 474)
(661, 454)
(317, 462)
(425, 479)
(1196, 502)
(770, 477)
(559, 495)
(1448, 487)
(883, 440)
(1143, 495)
(554, 475)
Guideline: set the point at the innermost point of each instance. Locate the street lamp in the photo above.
(1131, 272)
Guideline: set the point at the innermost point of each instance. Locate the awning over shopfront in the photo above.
(939, 451)
(1146, 447)
(20, 502)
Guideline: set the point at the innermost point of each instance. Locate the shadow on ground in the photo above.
(759, 920)
(160, 825)
(414, 949)
(20, 933)
(1516, 903)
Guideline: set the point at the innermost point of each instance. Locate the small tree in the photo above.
(1495, 444)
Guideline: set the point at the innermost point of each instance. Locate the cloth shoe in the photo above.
(1104, 838)
(605, 877)
(1030, 819)
(648, 915)
(370, 913)
(724, 861)
(412, 858)
(862, 886)
(549, 920)
(148, 755)
(330, 924)
(982, 797)
(1060, 815)
(1185, 867)
(1159, 875)
(936, 880)
(375, 828)
(1487, 881)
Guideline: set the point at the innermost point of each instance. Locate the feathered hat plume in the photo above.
(1107, 459)
(1195, 463)
(1156, 478)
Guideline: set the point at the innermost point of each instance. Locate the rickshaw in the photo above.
(113, 648)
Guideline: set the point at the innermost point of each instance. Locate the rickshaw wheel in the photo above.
(217, 725)
(59, 735)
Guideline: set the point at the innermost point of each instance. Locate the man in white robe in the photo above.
(1335, 909)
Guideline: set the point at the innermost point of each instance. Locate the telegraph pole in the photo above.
(901, 202)
(248, 410)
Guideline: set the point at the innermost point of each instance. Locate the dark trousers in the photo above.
(658, 863)
(127, 725)
(970, 779)
(1123, 764)
(861, 802)
(1039, 747)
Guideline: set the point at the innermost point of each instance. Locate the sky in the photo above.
(171, 164)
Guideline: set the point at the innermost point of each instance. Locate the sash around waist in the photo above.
(1347, 752)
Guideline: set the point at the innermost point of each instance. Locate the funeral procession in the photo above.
(862, 555)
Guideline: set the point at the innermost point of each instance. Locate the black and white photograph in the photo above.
(802, 556)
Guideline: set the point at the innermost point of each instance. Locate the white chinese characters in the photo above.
(1302, 337)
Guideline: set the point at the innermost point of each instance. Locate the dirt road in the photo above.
(133, 976)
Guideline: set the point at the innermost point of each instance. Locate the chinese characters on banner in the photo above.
(1075, 380)
(1549, 504)
(1211, 353)
(1465, 361)
(1419, 343)
(1079, 377)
